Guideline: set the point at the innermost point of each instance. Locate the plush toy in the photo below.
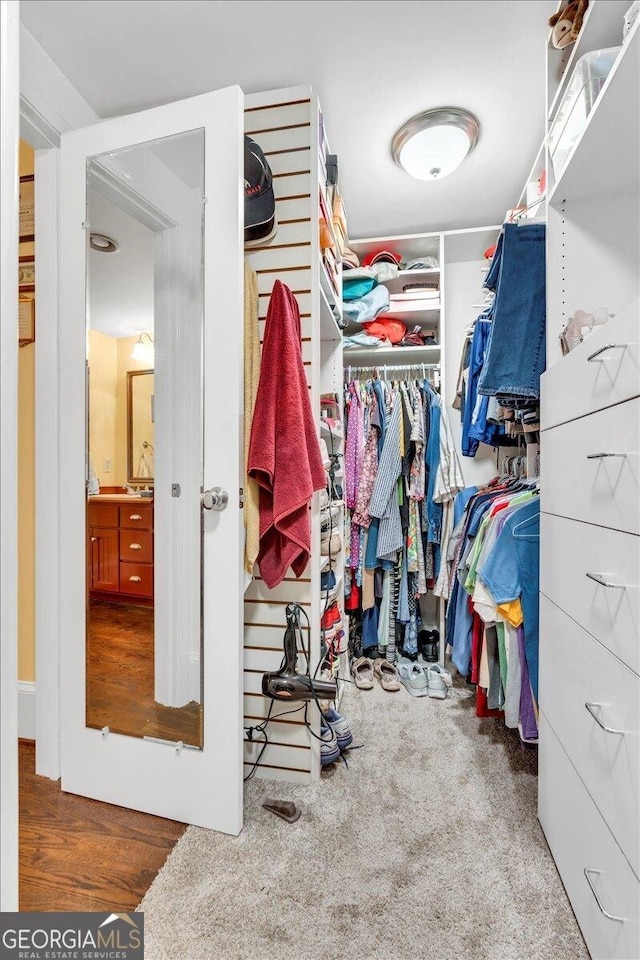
(567, 23)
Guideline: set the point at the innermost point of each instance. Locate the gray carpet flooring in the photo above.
(427, 846)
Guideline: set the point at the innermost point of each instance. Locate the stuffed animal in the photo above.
(567, 23)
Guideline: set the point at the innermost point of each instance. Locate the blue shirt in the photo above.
(511, 571)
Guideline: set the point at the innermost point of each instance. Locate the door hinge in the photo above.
(242, 498)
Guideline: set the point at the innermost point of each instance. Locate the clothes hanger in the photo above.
(524, 536)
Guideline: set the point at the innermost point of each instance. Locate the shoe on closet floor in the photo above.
(429, 645)
(438, 681)
(362, 673)
(412, 676)
(340, 726)
(387, 674)
(329, 749)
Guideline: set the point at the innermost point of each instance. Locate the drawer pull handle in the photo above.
(608, 346)
(601, 456)
(599, 578)
(135, 579)
(609, 916)
(93, 539)
(591, 708)
(135, 546)
(135, 516)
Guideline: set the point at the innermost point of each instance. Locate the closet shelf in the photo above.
(409, 276)
(604, 161)
(427, 320)
(356, 356)
(410, 314)
(601, 28)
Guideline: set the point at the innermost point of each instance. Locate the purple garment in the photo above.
(355, 445)
(528, 724)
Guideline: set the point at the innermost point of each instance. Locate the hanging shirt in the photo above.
(384, 501)
(512, 571)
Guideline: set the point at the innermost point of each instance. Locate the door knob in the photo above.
(215, 499)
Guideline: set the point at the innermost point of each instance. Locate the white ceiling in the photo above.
(374, 65)
(121, 283)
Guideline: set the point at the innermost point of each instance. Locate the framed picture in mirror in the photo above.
(27, 209)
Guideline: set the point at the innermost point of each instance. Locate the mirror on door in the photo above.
(144, 440)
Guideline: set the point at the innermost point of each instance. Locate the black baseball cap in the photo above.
(259, 201)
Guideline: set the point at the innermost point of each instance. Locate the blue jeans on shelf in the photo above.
(516, 352)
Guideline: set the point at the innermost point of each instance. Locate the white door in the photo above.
(151, 588)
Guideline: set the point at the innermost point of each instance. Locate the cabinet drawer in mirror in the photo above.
(137, 517)
(136, 579)
(136, 545)
(102, 514)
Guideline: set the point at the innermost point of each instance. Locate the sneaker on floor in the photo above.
(340, 727)
(437, 684)
(413, 677)
(329, 749)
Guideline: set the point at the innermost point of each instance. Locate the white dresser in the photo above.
(589, 804)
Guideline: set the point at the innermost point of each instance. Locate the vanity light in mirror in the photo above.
(433, 144)
(143, 351)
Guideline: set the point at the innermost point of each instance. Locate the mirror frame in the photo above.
(130, 475)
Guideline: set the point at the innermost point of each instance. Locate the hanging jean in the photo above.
(516, 353)
(491, 279)
(370, 627)
(475, 429)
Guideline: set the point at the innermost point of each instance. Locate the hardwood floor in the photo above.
(120, 679)
(78, 854)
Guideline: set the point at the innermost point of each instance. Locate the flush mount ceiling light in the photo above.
(102, 243)
(143, 351)
(433, 144)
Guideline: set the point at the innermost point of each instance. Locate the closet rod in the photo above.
(391, 368)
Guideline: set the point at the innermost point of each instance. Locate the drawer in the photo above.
(574, 670)
(578, 385)
(136, 579)
(569, 550)
(579, 841)
(136, 546)
(606, 490)
(102, 514)
(138, 516)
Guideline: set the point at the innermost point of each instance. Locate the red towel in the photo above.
(284, 453)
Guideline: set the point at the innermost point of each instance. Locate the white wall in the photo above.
(463, 288)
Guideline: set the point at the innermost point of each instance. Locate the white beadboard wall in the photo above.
(284, 123)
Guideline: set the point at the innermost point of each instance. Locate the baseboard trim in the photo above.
(26, 710)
